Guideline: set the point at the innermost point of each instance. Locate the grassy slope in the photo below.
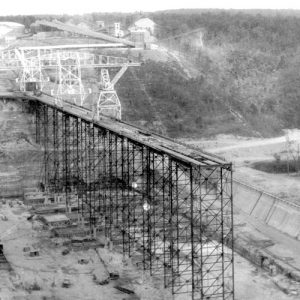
(179, 106)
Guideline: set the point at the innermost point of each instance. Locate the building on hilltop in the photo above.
(115, 30)
(143, 24)
(142, 32)
(10, 31)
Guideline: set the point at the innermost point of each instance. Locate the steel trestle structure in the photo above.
(171, 212)
(59, 73)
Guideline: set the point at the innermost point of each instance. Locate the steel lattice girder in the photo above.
(172, 216)
(48, 58)
(68, 85)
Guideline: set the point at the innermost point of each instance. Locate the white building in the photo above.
(143, 24)
(11, 30)
(117, 30)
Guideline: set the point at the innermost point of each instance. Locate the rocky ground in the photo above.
(42, 277)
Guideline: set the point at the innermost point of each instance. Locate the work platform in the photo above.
(152, 140)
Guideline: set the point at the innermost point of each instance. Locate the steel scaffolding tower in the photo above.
(171, 212)
(65, 71)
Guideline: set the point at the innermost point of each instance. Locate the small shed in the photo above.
(34, 253)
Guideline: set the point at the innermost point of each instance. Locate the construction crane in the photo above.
(34, 64)
(108, 101)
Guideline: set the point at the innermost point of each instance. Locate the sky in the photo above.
(26, 7)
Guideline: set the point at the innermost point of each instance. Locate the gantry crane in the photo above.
(36, 64)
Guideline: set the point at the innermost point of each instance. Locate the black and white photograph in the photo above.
(150, 150)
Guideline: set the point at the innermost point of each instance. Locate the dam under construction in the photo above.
(94, 207)
(170, 205)
(163, 203)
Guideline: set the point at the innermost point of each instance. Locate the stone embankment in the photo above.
(267, 230)
(273, 211)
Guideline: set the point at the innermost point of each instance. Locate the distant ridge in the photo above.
(267, 12)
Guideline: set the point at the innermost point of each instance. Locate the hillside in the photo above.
(255, 59)
(244, 81)
(159, 96)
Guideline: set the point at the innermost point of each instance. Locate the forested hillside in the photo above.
(251, 61)
(173, 104)
(247, 80)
